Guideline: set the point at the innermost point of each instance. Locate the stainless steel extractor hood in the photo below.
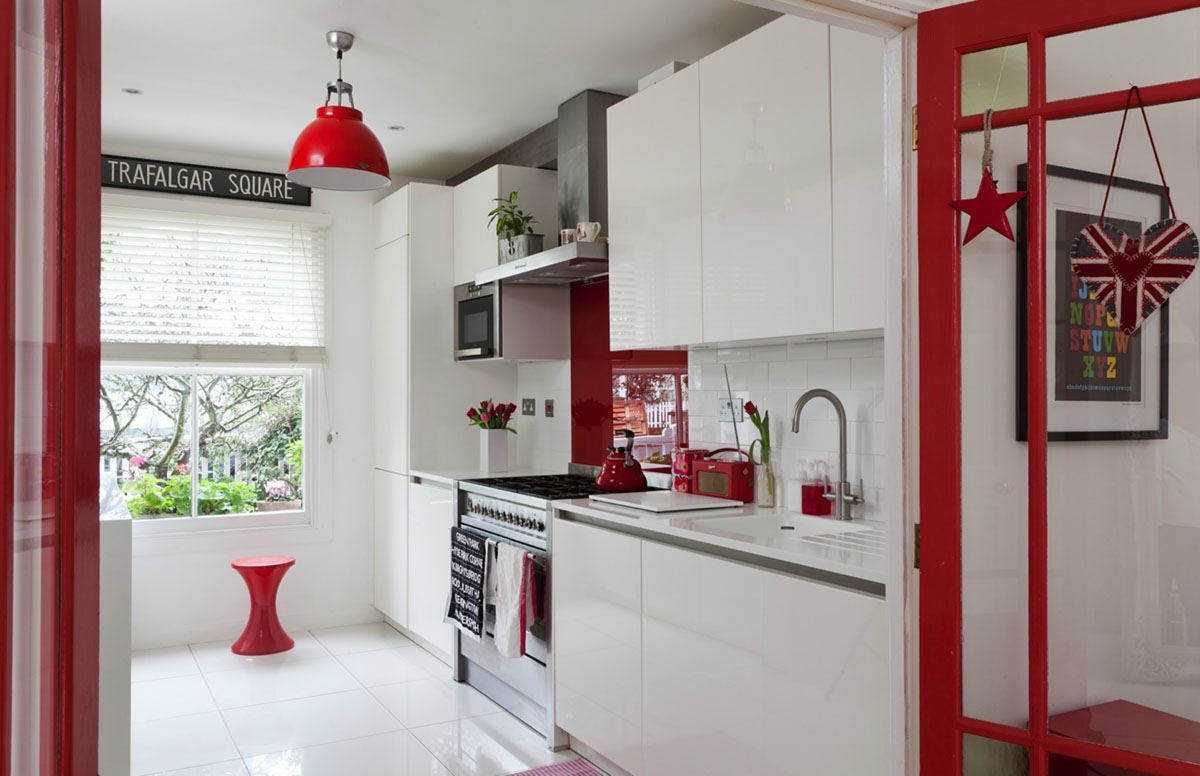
(562, 266)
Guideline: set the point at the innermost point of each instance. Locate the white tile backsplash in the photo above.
(774, 377)
(544, 443)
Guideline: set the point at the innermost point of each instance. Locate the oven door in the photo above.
(476, 322)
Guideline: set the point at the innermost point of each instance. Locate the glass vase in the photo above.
(766, 484)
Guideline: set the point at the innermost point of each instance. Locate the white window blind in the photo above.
(181, 286)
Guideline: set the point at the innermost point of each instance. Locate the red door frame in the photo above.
(943, 36)
(69, 472)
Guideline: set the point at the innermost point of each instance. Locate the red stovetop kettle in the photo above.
(621, 473)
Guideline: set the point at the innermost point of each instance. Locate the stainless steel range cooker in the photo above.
(518, 510)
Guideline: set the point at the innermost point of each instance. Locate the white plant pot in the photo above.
(493, 450)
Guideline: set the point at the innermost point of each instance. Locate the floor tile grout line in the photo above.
(224, 722)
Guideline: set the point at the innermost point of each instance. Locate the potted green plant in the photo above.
(514, 228)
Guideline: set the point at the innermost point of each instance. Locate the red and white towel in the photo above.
(513, 591)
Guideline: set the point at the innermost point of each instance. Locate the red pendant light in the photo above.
(337, 151)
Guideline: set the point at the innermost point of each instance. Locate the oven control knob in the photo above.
(541, 526)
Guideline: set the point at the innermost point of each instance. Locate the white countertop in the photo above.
(855, 549)
(451, 476)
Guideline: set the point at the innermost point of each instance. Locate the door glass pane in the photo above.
(35, 374)
(995, 78)
(994, 463)
(985, 757)
(1157, 49)
(1124, 529)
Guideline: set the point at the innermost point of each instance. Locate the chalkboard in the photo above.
(468, 572)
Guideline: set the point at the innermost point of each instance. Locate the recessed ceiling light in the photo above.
(395, 127)
(131, 90)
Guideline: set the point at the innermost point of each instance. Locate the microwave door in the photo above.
(476, 328)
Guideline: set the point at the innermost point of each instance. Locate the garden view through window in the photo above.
(652, 403)
(186, 444)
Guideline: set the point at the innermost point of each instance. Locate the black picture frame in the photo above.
(1022, 376)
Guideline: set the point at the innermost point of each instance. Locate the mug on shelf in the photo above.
(566, 236)
(587, 231)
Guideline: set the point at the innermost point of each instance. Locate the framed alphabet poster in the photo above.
(1102, 384)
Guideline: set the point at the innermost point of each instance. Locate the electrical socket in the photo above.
(528, 406)
(734, 413)
(549, 408)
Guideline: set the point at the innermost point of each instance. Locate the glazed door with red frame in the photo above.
(49, 375)
(1060, 459)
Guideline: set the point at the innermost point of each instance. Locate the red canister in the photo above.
(681, 467)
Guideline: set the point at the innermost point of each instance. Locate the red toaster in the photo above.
(733, 480)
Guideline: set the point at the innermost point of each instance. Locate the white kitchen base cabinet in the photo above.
(691, 664)
(430, 517)
(391, 546)
(758, 673)
(597, 640)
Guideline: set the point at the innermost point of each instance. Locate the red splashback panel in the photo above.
(591, 372)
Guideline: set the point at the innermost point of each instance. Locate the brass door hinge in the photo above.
(914, 128)
(917, 546)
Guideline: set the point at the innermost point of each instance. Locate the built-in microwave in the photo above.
(519, 322)
(476, 321)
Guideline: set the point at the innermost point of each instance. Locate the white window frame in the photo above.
(194, 524)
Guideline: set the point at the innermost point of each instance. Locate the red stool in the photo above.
(263, 635)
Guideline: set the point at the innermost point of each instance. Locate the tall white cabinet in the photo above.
(775, 144)
(420, 395)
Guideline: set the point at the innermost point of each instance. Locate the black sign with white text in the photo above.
(201, 180)
(468, 574)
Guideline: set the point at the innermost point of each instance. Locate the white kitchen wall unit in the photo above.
(691, 664)
(430, 517)
(389, 314)
(654, 206)
(597, 640)
(476, 243)
(856, 91)
(784, 129)
(391, 546)
(765, 183)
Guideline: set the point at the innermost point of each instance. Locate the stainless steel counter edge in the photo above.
(751, 556)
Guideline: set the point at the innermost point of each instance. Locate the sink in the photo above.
(771, 529)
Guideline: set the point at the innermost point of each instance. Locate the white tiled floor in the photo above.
(360, 700)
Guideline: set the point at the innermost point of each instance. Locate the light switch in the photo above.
(528, 406)
(549, 408)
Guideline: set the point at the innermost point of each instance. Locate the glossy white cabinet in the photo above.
(389, 321)
(476, 243)
(597, 640)
(654, 210)
(391, 546)
(856, 78)
(676, 663)
(392, 217)
(752, 672)
(430, 517)
(765, 183)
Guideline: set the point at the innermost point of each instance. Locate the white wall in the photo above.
(544, 443)
(183, 588)
(774, 377)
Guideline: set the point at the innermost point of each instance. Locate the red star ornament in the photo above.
(987, 210)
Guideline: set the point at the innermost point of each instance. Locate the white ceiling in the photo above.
(465, 77)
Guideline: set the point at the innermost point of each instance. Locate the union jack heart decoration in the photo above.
(1132, 277)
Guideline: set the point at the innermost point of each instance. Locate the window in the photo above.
(652, 403)
(212, 332)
